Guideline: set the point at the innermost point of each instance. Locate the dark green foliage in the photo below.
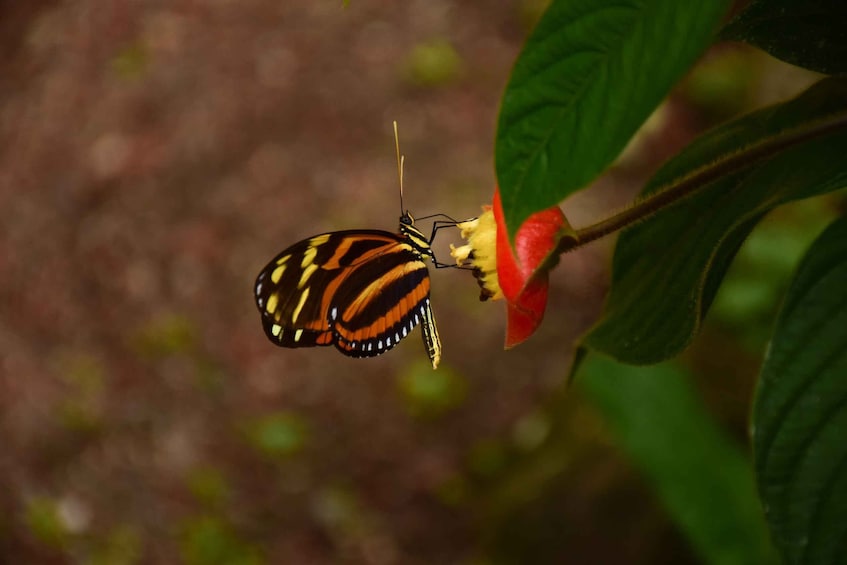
(588, 77)
(800, 415)
(667, 270)
(806, 33)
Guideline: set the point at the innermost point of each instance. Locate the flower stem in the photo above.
(701, 178)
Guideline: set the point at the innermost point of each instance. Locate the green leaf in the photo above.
(800, 414)
(806, 33)
(589, 75)
(667, 270)
(700, 474)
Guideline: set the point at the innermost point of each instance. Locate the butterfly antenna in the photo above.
(400, 160)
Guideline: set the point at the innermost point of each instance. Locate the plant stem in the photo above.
(701, 178)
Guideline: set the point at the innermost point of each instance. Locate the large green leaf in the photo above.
(807, 33)
(800, 414)
(667, 270)
(701, 476)
(589, 75)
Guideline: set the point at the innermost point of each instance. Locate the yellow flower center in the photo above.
(480, 253)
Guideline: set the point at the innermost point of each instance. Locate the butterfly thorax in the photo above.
(416, 239)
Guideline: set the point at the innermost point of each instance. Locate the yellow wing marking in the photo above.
(307, 272)
(309, 256)
(277, 274)
(299, 307)
(319, 240)
(273, 300)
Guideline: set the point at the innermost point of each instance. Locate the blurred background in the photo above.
(155, 155)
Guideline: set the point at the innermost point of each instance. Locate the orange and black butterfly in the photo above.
(359, 290)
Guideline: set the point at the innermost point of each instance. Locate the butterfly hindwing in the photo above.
(379, 303)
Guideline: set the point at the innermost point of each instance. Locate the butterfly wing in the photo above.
(380, 302)
(361, 291)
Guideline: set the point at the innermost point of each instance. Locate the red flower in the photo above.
(521, 273)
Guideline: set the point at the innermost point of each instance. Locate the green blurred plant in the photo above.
(749, 297)
(120, 546)
(82, 405)
(433, 63)
(278, 435)
(209, 486)
(166, 335)
(132, 61)
(208, 540)
(42, 518)
(721, 85)
(429, 394)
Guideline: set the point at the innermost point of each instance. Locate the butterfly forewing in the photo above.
(361, 291)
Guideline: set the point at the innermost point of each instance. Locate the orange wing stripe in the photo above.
(391, 318)
(371, 292)
(324, 338)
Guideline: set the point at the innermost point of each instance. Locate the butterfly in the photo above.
(360, 290)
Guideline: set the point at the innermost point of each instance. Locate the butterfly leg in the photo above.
(440, 224)
(449, 219)
(437, 225)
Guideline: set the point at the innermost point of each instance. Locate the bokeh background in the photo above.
(155, 155)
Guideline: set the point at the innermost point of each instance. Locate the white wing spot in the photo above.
(379, 344)
(370, 346)
(396, 337)
(417, 319)
(261, 302)
(333, 314)
(259, 286)
(388, 341)
(405, 332)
